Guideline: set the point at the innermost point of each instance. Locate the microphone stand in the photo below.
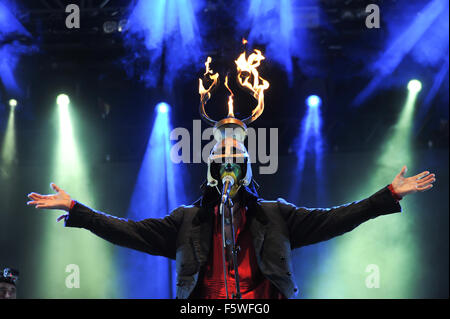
(226, 201)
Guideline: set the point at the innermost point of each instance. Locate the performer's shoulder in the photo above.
(186, 209)
(277, 201)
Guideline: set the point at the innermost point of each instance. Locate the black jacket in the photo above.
(277, 227)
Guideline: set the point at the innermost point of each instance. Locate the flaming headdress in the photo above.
(230, 132)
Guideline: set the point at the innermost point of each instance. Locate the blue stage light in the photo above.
(159, 185)
(169, 30)
(11, 51)
(313, 101)
(309, 141)
(162, 107)
(283, 26)
(425, 40)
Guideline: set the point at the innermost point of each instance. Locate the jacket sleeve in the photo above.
(312, 225)
(155, 236)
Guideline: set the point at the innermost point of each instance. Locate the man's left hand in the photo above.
(407, 185)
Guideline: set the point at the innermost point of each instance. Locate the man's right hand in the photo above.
(60, 200)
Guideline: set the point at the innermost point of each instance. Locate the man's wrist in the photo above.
(394, 194)
(69, 205)
(68, 209)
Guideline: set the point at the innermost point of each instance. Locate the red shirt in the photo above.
(252, 283)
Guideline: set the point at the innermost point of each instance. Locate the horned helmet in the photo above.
(230, 132)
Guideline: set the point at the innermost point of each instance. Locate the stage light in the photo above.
(63, 100)
(9, 143)
(283, 27)
(309, 143)
(169, 29)
(313, 101)
(58, 249)
(437, 83)
(387, 244)
(12, 102)
(11, 49)
(122, 25)
(162, 107)
(425, 40)
(159, 185)
(414, 86)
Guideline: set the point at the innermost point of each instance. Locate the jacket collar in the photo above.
(248, 196)
(203, 221)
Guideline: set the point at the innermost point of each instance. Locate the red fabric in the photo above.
(394, 194)
(252, 282)
(65, 216)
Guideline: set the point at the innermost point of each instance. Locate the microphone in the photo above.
(227, 182)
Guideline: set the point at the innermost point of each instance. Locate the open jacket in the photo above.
(277, 227)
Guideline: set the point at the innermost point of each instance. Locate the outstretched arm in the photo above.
(156, 236)
(308, 226)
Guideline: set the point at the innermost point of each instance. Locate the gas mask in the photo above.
(229, 157)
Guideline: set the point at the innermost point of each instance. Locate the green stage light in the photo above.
(386, 243)
(61, 249)
(414, 86)
(9, 142)
(12, 102)
(63, 100)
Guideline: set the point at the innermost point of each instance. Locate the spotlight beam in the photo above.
(402, 45)
(60, 247)
(158, 186)
(10, 52)
(437, 83)
(9, 142)
(387, 244)
(168, 24)
(310, 137)
(279, 25)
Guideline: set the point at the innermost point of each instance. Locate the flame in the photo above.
(248, 77)
(230, 99)
(205, 94)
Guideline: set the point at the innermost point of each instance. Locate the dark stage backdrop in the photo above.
(410, 249)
